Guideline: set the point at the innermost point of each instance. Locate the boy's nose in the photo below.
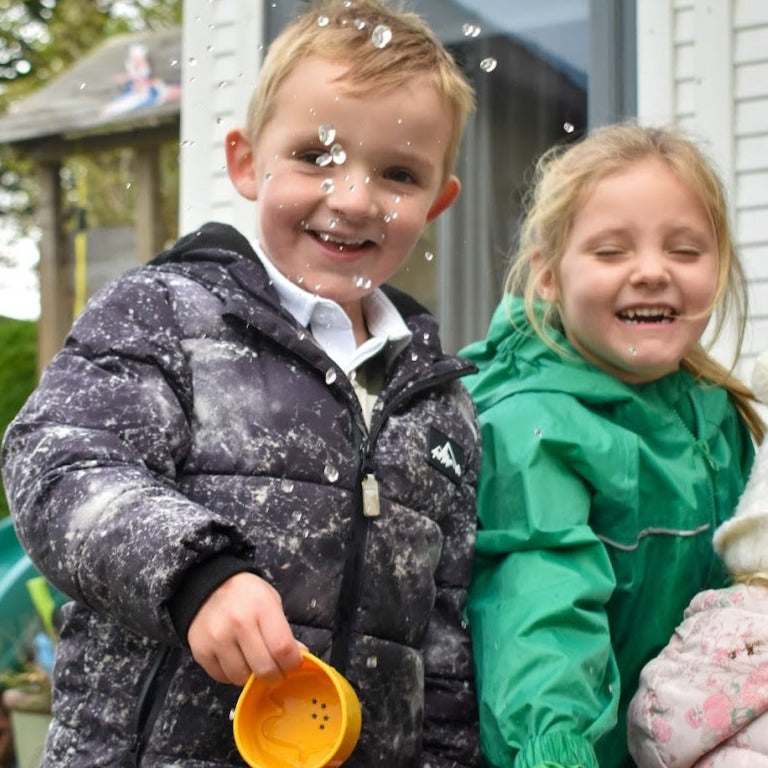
(353, 197)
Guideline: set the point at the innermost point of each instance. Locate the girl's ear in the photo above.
(545, 279)
(239, 152)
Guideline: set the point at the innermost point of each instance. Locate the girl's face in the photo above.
(638, 274)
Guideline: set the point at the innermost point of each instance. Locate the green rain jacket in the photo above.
(597, 503)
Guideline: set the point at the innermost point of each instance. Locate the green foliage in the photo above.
(39, 39)
(18, 373)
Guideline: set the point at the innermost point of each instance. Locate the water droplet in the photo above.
(231, 714)
(286, 486)
(372, 662)
(359, 24)
(382, 35)
(428, 255)
(569, 127)
(414, 357)
(330, 376)
(326, 133)
(338, 154)
(267, 176)
(325, 159)
(488, 65)
(396, 199)
(83, 86)
(299, 279)
(537, 432)
(331, 473)
(332, 222)
(327, 186)
(192, 61)
(471, 30)
(632, 351)
(363, 282)
(387, 218)
(313, 603)
(323, 21)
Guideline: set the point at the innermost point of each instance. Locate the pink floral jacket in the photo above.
(703, 701)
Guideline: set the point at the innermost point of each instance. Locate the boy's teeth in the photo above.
(326, 238)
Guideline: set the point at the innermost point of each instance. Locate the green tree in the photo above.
(18, 375)
(41, 38)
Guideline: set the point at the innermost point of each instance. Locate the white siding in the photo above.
(716, 54)
(750, 130)
(222, 50)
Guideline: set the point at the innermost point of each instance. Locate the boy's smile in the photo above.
(638, 274)
(346, 181)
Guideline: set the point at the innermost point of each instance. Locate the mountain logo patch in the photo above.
(445, 455)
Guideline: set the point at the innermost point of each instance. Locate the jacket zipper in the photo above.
(366, 508)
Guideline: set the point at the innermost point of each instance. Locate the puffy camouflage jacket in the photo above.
(190, 427)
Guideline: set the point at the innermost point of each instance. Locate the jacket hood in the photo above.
(513, 359)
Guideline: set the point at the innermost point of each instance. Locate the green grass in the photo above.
(18, 373)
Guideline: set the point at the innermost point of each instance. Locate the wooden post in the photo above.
(56, 291)
(148, 219)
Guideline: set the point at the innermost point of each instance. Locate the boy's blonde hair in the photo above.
(342, 31)
(566, 174)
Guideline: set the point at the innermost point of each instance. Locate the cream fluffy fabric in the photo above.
(742, 541)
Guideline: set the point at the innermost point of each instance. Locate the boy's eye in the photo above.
(400, 175)
(310, 156)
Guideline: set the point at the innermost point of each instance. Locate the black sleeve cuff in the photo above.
(198, 585)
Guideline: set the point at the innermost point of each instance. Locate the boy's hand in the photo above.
(241, 629)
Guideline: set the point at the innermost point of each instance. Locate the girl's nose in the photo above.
(650, 268)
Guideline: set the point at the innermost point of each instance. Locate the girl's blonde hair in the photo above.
(343, 31)
(565, 174)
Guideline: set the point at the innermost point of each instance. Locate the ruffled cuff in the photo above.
(557, 750)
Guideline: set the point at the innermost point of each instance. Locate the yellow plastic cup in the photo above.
(308, 719)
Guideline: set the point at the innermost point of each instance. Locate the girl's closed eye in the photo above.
(608, 251)
(685, 251)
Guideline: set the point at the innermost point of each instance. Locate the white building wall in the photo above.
(703, 65)
(222, 45)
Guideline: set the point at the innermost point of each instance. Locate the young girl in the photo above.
(613, 445)
(703, 701)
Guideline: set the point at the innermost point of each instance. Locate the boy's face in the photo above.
(345, 183)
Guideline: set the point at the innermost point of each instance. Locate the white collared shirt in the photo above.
(331, 327)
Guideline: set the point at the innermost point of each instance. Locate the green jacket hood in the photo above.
(513, 347)
(513, 359)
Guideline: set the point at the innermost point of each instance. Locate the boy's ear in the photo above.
(445, 199)
(239, 152)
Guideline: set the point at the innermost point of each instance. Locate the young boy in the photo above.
(243, 449)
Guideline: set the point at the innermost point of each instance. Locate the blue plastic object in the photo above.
(18, 617)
